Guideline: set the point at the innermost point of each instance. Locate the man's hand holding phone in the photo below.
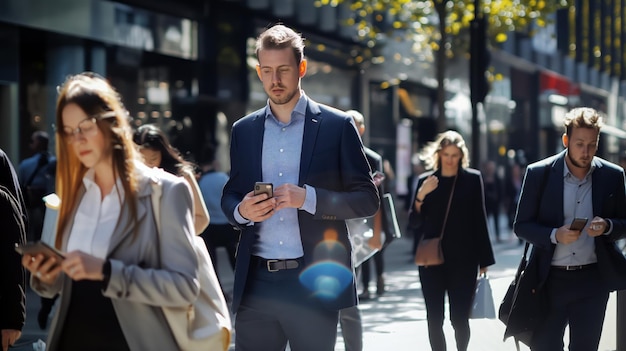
(568, 234)
(258, 205)
(597, 226)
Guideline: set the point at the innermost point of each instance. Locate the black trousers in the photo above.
(276, 308)
(365, 268)
(436, 282)
(577, 298)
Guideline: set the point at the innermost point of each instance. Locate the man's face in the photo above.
(581, 146)
(280, 74)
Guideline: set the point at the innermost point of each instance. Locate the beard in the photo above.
(285, 98)
(575, 163)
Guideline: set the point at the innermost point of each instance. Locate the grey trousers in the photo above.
(351, 328)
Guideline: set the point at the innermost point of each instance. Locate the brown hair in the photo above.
(582, 117)
(98, 99)
(430, 152)
(280, 37)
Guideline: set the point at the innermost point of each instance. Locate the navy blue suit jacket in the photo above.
(332, 161)
(535, 225)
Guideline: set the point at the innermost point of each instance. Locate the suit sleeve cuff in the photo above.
(609, 228)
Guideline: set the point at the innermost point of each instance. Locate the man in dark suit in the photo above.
(12, 275)
(576, 269)
(293, 271)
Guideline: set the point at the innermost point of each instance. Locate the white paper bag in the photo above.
(483, 306)
(48, 232)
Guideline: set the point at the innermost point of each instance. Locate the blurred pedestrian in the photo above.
(493, 195)
(376, 165)
(12, 274)
(350, 317)
(295, 242)
(158, 152)
(575, 269)
(36, 176)
(465, 244)
(512, 190)
(219, 233)
(115, 276)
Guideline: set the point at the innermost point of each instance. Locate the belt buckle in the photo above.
(572, 268)
(269, 262)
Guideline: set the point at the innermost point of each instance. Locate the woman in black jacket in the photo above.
(465, 243)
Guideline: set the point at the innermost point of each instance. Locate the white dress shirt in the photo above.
(95, 220)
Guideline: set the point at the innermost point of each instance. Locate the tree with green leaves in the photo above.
(442, 27)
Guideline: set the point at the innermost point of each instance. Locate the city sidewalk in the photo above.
(397, 320)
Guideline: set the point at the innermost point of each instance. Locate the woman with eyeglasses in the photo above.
(158, 152)
(117, 271)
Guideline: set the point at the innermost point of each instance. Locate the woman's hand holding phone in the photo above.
(45, 268)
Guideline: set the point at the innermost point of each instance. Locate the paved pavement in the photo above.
(397, 320)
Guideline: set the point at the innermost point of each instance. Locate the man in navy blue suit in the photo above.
(576, 268)
(294, 269)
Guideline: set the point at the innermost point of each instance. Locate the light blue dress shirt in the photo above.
(279, 235)
(577, 202)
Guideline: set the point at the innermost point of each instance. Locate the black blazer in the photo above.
(12, 273)
(466, 243)
(332, 161)
(535, 226)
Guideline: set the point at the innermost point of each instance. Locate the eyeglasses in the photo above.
(86, 128)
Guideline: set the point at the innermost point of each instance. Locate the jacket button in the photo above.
(119, 294)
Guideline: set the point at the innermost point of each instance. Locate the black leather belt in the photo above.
(575, 268)
(276, 265)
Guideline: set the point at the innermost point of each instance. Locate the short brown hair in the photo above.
(582, 117)
(280, 37)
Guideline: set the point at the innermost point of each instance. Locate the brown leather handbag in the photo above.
(429, 251)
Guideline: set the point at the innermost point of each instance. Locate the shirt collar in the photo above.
(89, 180)
(567, 172)
(299, 111)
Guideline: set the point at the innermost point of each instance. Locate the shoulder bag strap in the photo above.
(445, 219)
(542, 187)
(156, 203)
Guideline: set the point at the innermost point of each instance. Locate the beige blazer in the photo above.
(137, 287)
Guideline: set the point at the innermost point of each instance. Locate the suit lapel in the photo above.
(597, 182)
(256, 138)
(554, 187)
(312, 121)
(126, 224)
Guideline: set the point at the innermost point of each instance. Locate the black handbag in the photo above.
(390, 220)
(524, 305)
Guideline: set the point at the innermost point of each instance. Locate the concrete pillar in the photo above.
(62, 61)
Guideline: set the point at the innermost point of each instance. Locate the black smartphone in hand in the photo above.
(578, 224)
(39, 247)
(264, 188)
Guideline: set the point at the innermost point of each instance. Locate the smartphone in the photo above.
(264, 188)
(39, 247)
(578, 224)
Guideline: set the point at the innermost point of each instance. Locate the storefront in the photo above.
(151, 58)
